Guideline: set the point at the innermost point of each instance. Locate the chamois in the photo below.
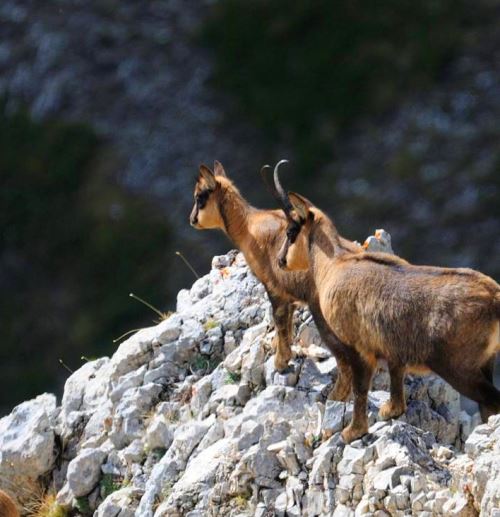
(380, 306)
(257, 233)
(7, 506)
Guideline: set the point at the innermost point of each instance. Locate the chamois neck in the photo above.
(234, 211)
(326, 244)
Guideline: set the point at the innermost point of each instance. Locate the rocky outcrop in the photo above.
(27, 443)
(190, 418)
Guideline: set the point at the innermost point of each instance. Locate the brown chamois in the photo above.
(380, 306)
(7, 506)
(258, 234)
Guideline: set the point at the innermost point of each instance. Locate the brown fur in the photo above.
(258, 233)
(442, 319)
(7, 506)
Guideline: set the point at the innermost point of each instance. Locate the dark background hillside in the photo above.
(389, 112)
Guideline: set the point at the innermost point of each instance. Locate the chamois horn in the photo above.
(267, 183)
(282, 196)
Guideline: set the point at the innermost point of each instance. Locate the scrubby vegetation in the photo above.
(73, 244)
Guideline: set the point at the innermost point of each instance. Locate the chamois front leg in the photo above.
(396, 405)
(342, 388)
(362, 372)
(283, 316)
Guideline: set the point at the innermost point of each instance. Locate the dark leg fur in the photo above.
(283, 317)
(362, 373)
(488, 368)
(342, 389)
(396, 405)
(343, 385)
(474, 383)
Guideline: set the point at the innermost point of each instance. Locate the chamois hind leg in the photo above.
(488, 368)
(471, 382)
(396, 405)
(343, 385)
(362, 372)
(283, 317)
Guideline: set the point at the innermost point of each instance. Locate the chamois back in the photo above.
(443, 319)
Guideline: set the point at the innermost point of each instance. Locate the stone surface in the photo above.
(172, 425)
(84, 471)
(27, 444)
(121, 503)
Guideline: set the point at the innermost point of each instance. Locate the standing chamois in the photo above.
(380, 306)
(258, 233)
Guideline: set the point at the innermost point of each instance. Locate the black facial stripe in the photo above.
(202, 198)
(292, 231)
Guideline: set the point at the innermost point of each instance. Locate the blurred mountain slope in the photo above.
(390, 111)
(402, 132)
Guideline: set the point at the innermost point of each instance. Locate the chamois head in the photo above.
(294, 253)
(207, 193)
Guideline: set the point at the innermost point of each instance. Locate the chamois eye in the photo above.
(202, 198)
(292, 233)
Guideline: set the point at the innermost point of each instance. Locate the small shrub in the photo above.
(83, 506)
(233, 378)
(240, 502)
(45, 505)
(109, 484)
(210, 324)
(158, 453)
(199, 362)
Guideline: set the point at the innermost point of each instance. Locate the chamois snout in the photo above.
(193, 217)
(282, 256)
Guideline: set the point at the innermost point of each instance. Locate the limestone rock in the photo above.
(191, 418)
(121, 503)
(84, 471)
(27, 443)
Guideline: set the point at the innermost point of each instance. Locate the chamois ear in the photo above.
(219, 169)
(300, 204)
(207, 176)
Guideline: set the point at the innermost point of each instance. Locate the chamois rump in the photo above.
(379, 305)
(7, 506)
(257, 233)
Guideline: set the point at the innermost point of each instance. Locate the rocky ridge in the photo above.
(189, 418)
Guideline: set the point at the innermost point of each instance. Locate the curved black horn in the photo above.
(267, 183)
(263, 173)
(280, 191)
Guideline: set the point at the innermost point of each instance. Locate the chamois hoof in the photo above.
(351, 433)
(281, 363)
(390, 410)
